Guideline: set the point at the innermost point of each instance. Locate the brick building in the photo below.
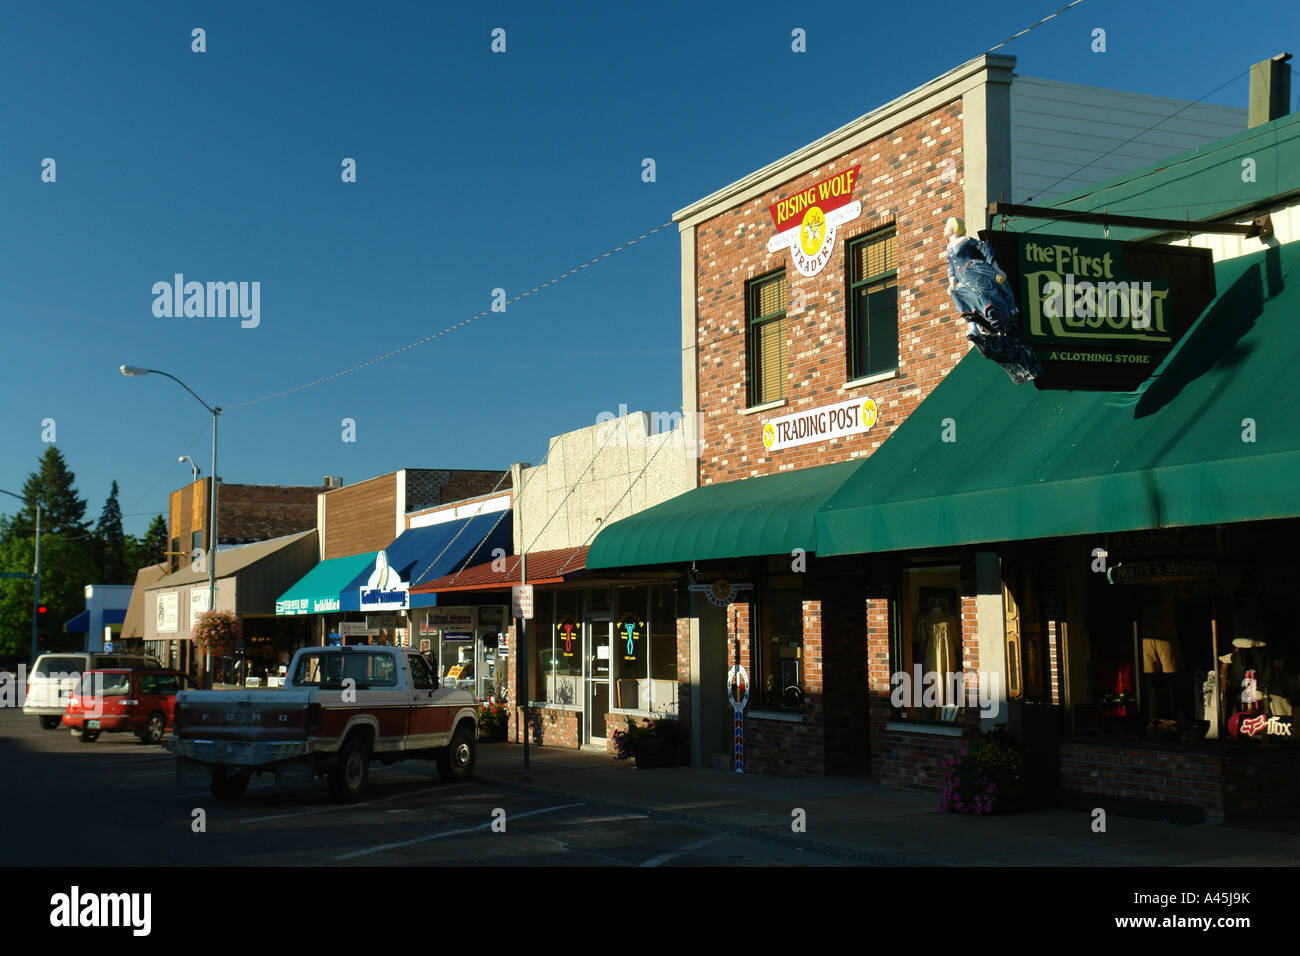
(245, 513)
(816, 324)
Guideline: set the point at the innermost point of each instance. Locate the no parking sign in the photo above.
(738, 693)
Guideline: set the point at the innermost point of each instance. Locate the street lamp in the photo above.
(133, 370)
(195, 476)
(36, 574)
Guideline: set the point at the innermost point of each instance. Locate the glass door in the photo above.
(596, 646)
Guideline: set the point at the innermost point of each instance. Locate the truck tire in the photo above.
(349, 777)
(51, 723)
(227, 785)
(89, 736)
(457, 761)
(153, 731)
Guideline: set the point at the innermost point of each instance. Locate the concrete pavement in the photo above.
(868, 823)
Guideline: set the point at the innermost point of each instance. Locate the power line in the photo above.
(451, 328)
(1073, 3)
(1131, 139)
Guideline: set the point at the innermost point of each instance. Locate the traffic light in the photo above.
(41, 609)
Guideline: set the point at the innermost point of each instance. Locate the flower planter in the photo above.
(653, 753)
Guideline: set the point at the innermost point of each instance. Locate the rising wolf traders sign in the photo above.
(806, 222)
(1102, 314)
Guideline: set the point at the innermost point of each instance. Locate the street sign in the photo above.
(13, 574)
(521, 600)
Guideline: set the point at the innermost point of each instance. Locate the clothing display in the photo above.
(983, 297)
(936, 640)
(1158, 656)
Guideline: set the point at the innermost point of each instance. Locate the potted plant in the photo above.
(651, 742)
(491, 720)
(986, 775)
(217, 632)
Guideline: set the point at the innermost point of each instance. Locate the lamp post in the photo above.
(132, 370)
(36, 575)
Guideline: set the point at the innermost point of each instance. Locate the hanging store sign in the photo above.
(442, 618)
(720, 590)
(827, 423)
(385, 590)
(1164, 571)
(1102, 314)
(806, 222)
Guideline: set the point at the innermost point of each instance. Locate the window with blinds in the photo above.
(767, 352)
(873, 304)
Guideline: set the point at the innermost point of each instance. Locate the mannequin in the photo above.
(936, 640)
(982, 296)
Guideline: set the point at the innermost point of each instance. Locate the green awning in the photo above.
(317, 591)
(772, 514)
(1030, 464)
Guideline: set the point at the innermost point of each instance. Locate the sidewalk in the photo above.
(867, 823)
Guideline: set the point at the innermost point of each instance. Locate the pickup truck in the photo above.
(339, 709)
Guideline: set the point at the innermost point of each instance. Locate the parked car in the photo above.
(140, 702)
(55, 676)
(339, 708)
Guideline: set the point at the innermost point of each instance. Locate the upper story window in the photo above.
(765, 310)
(873, 304)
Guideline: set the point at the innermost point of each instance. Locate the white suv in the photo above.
(55, 676)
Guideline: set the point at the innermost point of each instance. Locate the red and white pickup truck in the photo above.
(339, 708)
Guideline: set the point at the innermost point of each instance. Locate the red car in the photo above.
(141, 702)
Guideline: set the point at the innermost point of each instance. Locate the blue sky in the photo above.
(475, 171)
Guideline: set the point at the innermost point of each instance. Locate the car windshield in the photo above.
(58, 665)
(105, 684)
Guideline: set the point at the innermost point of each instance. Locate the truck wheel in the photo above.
(348, 779)
(153, 731)
(457, 761)
(89, 736)
(227, 785)
(51, 723)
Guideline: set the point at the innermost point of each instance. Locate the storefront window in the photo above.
(663, 651)
(779, 645)
(928, 680)
(558, 671)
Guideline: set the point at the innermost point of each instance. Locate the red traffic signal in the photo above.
(41, 609)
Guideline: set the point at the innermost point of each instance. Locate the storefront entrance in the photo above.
(596, 657)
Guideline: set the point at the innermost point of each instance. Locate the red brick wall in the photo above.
(258, 512)
(1237, 781)
(900, 183)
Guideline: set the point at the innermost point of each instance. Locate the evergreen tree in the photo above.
(111, 557)
(54, 486)
(152, 548)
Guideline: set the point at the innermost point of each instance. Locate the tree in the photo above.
(54, 486)
(67, 564)
(152, 548)
(110, 545)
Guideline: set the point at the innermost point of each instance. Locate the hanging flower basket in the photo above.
(217, 632)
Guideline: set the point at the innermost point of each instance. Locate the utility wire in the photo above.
(630, 485)
(1073, 3)
(428, 338)
(1131, 139)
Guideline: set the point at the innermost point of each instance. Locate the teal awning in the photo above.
(771, 514)
(318, 591)
(1213, 437)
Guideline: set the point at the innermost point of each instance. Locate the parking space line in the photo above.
(340, 806)
(447, 833)
(665, 857)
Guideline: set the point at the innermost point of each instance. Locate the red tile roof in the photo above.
(544, 567)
